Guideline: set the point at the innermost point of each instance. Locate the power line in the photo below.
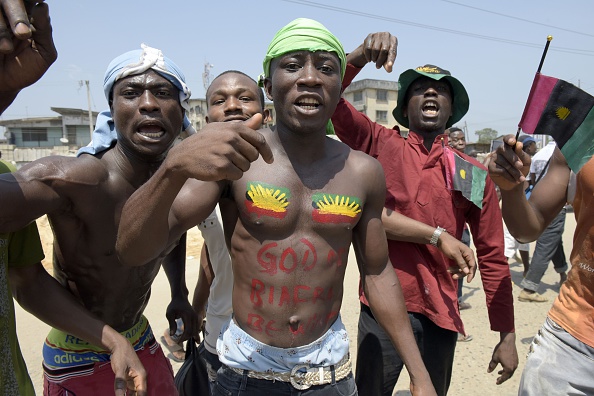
(519, 19)
(575, 51)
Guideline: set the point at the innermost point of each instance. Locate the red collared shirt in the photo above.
(416, 187)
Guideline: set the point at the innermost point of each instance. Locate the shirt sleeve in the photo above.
(486, 226)
(24, 247)
(355, 128)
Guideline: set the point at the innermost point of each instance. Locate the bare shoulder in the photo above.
(362, 167)
(360, 161)
(61, 170)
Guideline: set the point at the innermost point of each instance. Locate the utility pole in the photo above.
(206, 76)
(466, 131)
(86, 82)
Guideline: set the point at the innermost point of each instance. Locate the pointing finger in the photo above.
(257, 140)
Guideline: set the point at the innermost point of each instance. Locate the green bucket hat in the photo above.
(460, 101)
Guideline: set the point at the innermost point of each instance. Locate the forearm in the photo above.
(357, 57)
(384, 294)
(201, 294)
(522, 221)
(507, 337)
(401, 228)
(487, 230)
(41, 295)
(174, 266)
(497, 284)
(25, 196)
(144, 231)
(6, 99)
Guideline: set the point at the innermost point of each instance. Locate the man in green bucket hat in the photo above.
(441, 189)
(459, 106)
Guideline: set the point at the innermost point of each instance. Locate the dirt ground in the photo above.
(470, 375)
(194, 242)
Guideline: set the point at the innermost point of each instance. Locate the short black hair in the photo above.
(260, 92)
(455, 129)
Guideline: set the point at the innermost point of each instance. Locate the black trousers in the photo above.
(379, 365)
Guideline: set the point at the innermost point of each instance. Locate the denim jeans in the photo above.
(379, 365)
(557, 364)
(212, 364)
(231, 383)
(465, 240)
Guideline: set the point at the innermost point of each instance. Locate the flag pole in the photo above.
(544, 53)
(542, 58)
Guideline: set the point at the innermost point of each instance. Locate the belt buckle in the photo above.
(293, 378)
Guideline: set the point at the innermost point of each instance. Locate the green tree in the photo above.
(486, 135)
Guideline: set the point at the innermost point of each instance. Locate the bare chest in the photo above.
(280, 205)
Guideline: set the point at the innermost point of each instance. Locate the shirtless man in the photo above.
(289, 226)
(83, 198)
(231, 97)
(26, 53)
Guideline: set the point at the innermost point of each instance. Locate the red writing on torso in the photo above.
(288, 260)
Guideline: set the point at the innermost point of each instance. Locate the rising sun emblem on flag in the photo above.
(330, 208)
(562, 112)
(267, 200)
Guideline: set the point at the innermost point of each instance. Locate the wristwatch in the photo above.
(435, 236)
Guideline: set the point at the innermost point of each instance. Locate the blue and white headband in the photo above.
(130, 64)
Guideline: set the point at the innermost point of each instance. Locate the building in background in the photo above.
(376, 99)
(70, 128)
(27, 139)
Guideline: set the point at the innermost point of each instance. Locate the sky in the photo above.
(493, 48)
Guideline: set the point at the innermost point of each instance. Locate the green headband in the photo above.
(299, 35)
(303, 34)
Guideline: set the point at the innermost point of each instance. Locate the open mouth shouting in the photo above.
(430, 109)
(308, 104)
(151, 130)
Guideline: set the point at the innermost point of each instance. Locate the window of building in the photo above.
(381, 116)
(358, 96)
(34, 135)
(382, 95)
(71, 134)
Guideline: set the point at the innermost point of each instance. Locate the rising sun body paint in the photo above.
(335, 208)
(267, 200)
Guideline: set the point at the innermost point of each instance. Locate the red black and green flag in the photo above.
(465, 177)
(565, 112)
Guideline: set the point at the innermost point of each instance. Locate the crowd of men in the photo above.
(291, 202)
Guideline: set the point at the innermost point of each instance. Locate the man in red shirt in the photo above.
(418, 181)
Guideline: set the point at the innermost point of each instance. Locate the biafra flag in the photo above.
(466, 177)
(561, 110)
